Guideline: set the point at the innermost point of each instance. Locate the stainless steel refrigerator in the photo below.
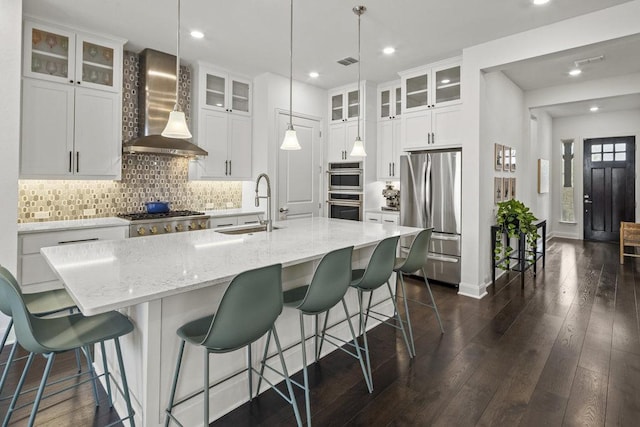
(431, 196)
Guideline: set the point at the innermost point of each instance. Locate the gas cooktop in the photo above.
(141, 216)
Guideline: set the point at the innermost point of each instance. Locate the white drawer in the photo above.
(388, 218)
(35, 270)
(31, 243)
(248, 219)
(373, 217)
(226, 221)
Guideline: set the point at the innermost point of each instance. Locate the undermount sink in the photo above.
(245, 229)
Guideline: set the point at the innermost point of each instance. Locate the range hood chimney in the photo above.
(156, 98)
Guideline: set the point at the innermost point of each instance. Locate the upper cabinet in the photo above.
(389, 101)
(71, 104)
(222, 125)
(222, 91)
(431, 87)
(64, 56)
(344, 104)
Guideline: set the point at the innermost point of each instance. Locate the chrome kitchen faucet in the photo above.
(268, 221)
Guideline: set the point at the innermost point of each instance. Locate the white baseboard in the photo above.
(472, 290)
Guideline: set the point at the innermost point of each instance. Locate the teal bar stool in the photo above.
(51, 336)
(376, 274)
(258, 292)
(414, 261)
(328, 286)
(39, 304)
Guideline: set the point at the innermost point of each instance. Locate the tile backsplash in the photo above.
(145, 177)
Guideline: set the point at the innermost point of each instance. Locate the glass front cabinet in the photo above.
(64, 56)
(431, 87)
(224, 91)
(344, 104)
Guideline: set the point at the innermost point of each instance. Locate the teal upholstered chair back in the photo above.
(381, 264)
(249, 307)
(418, 253)
(330, 282)
(11, 300)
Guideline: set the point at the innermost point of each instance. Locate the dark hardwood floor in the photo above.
(563, 351)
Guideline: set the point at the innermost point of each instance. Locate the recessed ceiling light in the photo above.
(445, 81)
(575, 72)
(314, 74)
(540, 2)
(594, 109)
(197, 34)
(388, 50)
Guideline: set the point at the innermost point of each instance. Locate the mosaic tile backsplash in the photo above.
(145, 177)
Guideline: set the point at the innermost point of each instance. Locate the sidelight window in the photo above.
(568, 212)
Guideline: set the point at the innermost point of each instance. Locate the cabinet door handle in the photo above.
(70, 160)
(226, 167)
(77, 161)
(230, 167)
(389, 169)
(433, 138)
(394, 169)
(428, 137)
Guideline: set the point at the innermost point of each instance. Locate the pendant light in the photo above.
(177, 124)
(290, 141)
(358, 145)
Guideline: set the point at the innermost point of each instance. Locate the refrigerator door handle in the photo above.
(436, 236)
(442, 258)
(427, 205)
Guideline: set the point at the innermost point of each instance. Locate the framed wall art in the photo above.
(513, 159)
(497, 157)
(497, 190)
(507, 158)
(506, 189)
(512, 188)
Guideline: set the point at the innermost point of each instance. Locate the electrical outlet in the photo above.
(229, 205)
(209, 206)
(89, 212)
(43, 214)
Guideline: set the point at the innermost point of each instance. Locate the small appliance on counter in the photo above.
(393, 198)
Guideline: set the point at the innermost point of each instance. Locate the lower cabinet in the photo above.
(34, 274)
(229, 221)
(382, 217)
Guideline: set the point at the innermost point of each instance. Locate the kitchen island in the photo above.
(161, 282)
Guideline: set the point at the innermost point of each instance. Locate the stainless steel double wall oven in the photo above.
(346, 185)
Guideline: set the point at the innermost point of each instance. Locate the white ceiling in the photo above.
(605, 105)
(251, 36)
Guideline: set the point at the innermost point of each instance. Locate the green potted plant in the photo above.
(514, 217)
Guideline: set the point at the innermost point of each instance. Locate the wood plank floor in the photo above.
(565, 351)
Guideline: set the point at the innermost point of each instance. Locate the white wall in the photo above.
(271, 93)
(541, 148)
(606, 24)
(10, 51)
(621, 123)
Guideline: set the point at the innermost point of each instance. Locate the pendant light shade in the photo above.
(290, 141)
(358, 144)
(177, 124)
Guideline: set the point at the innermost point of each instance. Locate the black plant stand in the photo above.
(523, 255)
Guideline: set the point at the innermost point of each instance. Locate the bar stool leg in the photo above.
(264, 360)
(250, 372)
(16, 394)
(92, 372)
(399, 320)
(125, 385)
(5, 373)
(355, 342)
(433, 301)
(107, 375)
(307, 398)
(406, 310)
(36, 403)
(6, 334)
(363, 332)
(315, 340)
(286, 377)
(206, 387)
(174, 385)
(324, 330)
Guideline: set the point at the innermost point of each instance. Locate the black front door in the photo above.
(609, 186)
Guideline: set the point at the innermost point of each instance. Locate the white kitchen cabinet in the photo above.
(344, 104)
(34, 274)
(69, 132)
(389, 134)
(62, 55)
(382, 217)
(341, 139)
(432, 129)
(223, 125)
(437, 85)
(389, 101)
(229, 221)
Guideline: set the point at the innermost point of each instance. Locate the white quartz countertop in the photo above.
(221, 213)
(112, 274)
(37, 227)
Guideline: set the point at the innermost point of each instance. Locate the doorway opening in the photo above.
(609, 186)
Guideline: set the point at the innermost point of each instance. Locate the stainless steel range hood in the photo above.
(156, 98)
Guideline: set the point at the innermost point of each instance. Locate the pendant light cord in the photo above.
(291, 70)
(177, 106)
(359, 65)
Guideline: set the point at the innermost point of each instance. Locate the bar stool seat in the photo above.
(414, 261)
(378, 271)
(248, 310)
(50, 336)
